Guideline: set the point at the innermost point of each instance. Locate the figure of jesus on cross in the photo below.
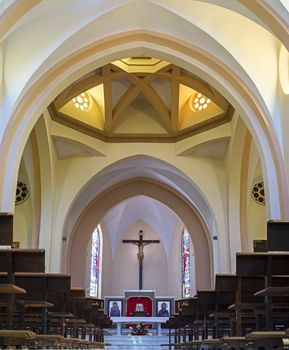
(140, 243)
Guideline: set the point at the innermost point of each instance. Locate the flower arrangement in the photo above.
(139, 329)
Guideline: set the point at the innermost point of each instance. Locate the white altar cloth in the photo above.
(119, 321)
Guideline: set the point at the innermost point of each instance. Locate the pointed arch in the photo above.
(93, 214)
(252, 107)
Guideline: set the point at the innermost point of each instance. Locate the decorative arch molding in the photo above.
(262, 10)
(271, 18)
(13, 13)
(237, 206)
(91, 216)
(28, 108)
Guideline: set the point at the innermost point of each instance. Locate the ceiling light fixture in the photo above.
(199, 102)
(82, 101)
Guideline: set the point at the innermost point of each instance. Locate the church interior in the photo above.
(144, 184)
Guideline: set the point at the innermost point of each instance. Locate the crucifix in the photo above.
(140, 243)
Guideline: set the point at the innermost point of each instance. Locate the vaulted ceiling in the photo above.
(141, 99)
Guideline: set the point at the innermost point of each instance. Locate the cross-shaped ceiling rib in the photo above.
(141, 83)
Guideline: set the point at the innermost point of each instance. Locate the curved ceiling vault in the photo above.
(143, 210)
(199, 32)
(139, 168)
(140, 99)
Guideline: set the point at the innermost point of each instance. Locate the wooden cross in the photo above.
(140, 255)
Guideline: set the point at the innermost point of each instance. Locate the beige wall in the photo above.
(77, 245)
(257, 221)
(250, 92)
(125, 269)
(160, 272)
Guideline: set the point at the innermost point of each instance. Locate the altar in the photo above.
(119, 321)
(139, 306)
(139, 302)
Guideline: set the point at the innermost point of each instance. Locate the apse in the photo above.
(161, 270)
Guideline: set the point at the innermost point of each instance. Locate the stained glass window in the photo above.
(94, 284)
(186, 268)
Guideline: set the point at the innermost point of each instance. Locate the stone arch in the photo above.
(266, 13)
(106, 200)
(252, 107)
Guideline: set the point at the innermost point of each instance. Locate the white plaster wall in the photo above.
(160, 273)
(257, 219)
(233, 161)
(257, 222)
(124, 274)
(69, 178)
(22, 223)
(174, 264)
(202, 171)
(284, 107)
(49, 209)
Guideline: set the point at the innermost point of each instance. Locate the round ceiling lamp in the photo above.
(82, 101)
(199, 102)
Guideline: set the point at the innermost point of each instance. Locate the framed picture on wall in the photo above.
(115, 307)
(163, 308)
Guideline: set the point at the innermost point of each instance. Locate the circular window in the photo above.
(258, 191)
(199, 102)
(22, 192)
(82, 101)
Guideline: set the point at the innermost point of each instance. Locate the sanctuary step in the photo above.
(148, 342)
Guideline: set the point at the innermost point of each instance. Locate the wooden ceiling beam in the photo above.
(107, 94)
(204, 89)
(166, 68)
(118, 75)
(175, 91)
(76, 89)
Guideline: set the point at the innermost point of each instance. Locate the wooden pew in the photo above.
(187, 317)
(206, 301)
(41, 289)
(225, 287)
(44, 291)
(19, 260)
(180, 324)
(88, 314)
(91, 310)
(270, 265)
(6, 229)
(267, 340)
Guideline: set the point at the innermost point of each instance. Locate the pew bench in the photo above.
(236, 343)
(267, 340)
(17, 338)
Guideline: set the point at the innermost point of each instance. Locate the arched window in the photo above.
(95, 263)
(186, 265)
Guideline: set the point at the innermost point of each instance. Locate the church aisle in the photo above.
(125, 341)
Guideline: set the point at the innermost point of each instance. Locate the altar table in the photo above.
(145, 320)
